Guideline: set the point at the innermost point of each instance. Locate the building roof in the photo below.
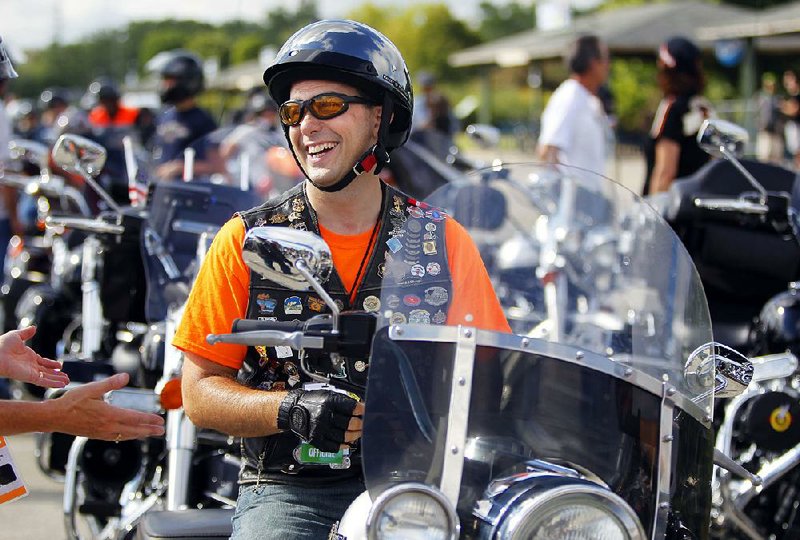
(778, 20)
(627, 30)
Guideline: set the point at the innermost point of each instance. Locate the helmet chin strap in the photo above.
(375, 157)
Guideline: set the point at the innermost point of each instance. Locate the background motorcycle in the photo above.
(735, 218)
(107, 486)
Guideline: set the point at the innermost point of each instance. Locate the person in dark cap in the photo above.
(672, 150)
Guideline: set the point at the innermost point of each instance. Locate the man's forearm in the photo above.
(217, 401)
(548, 153)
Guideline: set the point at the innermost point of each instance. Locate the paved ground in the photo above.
(626, 167)
(37, 516)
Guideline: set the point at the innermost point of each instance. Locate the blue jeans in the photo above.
(286, 512)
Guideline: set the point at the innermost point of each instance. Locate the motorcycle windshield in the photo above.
(227, 176)
(604, 304)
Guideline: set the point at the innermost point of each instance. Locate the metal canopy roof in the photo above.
(769, 22)
(631, 30)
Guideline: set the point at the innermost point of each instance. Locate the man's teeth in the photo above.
(318, 148)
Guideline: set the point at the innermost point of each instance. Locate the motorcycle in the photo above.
(138, 269)
(729, 209)
(601, 430)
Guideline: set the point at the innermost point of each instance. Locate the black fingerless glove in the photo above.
(318, 417)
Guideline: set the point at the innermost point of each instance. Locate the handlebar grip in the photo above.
(250, 325)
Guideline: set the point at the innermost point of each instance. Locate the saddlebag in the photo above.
(186, 524)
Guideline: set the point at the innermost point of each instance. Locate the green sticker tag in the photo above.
(307, 454)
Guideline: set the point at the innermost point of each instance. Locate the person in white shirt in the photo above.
(575, 127)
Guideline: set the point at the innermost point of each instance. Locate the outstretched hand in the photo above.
(83, 412)
(20, 362)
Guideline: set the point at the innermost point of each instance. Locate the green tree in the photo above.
(246, 48)
(499, 20)
(211, 44)
(282, 23)
(425, 34)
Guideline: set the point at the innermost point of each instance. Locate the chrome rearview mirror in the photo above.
(717, 368)
(292, 258)
(722, 139)
(726, 140)
(273, 254)
(79, 154)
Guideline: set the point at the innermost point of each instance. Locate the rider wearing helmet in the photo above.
(182, 122)
(106, 105)
(345, 103)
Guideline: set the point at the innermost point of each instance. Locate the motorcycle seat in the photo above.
(209, 524)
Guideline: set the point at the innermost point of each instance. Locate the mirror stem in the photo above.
(750, 178)
(302, 267)
(724, 462)
(100, 191)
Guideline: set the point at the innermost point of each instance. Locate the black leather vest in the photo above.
(412, 235)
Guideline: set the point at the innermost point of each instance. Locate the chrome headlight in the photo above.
(572, 512)
(412, 511)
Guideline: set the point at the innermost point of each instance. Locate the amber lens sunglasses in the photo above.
(322, 106)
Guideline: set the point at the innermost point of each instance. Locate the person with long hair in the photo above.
(672, 150)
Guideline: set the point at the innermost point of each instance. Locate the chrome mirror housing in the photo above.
(734, 372)
(717, 368)
(275, 252)
(79, 154)
(716, 135)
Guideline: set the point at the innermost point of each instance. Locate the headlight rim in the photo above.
(406, 487)
(543, 499)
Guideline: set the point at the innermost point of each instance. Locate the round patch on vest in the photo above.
(436, 296)
(372, 303)
(419, 316)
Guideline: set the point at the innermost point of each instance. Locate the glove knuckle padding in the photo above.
(321, 417)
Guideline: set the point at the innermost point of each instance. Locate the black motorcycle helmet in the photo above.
(54, 97)
(7, 70)
(104, 89)
(187, 71)
(355, 54)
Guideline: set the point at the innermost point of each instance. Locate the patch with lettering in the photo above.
(293, 305)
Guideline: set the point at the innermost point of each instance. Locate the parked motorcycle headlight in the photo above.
(412, 511)
(576, 512)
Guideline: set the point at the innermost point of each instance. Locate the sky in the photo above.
(33, 23)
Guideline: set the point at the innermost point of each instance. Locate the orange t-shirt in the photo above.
(125, 117)
(220, 293)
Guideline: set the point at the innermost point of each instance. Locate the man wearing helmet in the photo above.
(345, 103)
(182, 122)
(107, 108)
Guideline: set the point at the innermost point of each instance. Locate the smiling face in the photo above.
(328, 149)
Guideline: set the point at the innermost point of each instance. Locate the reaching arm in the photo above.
(82, 412)
(21, 363)
(548, 153)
